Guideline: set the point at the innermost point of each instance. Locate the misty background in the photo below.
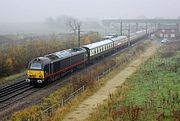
(49, 16)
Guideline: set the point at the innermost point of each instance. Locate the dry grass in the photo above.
(12, 77)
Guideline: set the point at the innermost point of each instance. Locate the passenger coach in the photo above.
(99, 49)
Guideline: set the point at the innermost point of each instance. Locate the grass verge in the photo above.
(152, 93)
(11, 77)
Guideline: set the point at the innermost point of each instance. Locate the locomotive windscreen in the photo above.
(36, 66)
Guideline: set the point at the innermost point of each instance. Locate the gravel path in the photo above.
(87, 106)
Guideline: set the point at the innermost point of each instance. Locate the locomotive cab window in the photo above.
(36, 66)
(46, 69)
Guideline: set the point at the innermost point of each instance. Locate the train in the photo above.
(49, 68)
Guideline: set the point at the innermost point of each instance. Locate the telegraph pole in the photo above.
(121, 27)
(136, 26)
(129, 43)
(79, 44)
(178, 27)
(146, 28)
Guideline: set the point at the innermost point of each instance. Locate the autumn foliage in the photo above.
(14, 57)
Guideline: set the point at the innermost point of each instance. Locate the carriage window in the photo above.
(91, 52)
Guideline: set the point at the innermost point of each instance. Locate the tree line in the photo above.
(15, 57)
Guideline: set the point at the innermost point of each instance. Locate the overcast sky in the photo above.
(38, 10)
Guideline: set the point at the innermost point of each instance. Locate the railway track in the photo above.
(14, 92)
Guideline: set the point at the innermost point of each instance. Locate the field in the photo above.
(152, 93)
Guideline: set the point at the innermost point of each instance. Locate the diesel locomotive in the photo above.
(43, 70)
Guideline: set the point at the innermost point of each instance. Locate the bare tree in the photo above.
(73, 23)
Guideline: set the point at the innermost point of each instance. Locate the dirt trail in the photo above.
(86, 107)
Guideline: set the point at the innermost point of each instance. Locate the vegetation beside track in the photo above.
(84, 78)
(12, 77)
(152, 93)
(15, 56)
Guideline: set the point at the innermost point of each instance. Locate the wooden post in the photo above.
(83, 88)
(62, 103)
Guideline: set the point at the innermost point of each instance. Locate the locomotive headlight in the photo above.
(39, 81)
(28, 80)
(40, 74)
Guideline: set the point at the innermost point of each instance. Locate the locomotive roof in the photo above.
(43, 60)
(65, 53)
(97, 44)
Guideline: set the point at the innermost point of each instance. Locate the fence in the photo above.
(52, 108)
(49, 110)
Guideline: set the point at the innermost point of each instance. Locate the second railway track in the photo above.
(14, 92)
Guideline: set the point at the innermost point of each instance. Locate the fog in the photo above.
(12, 11)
